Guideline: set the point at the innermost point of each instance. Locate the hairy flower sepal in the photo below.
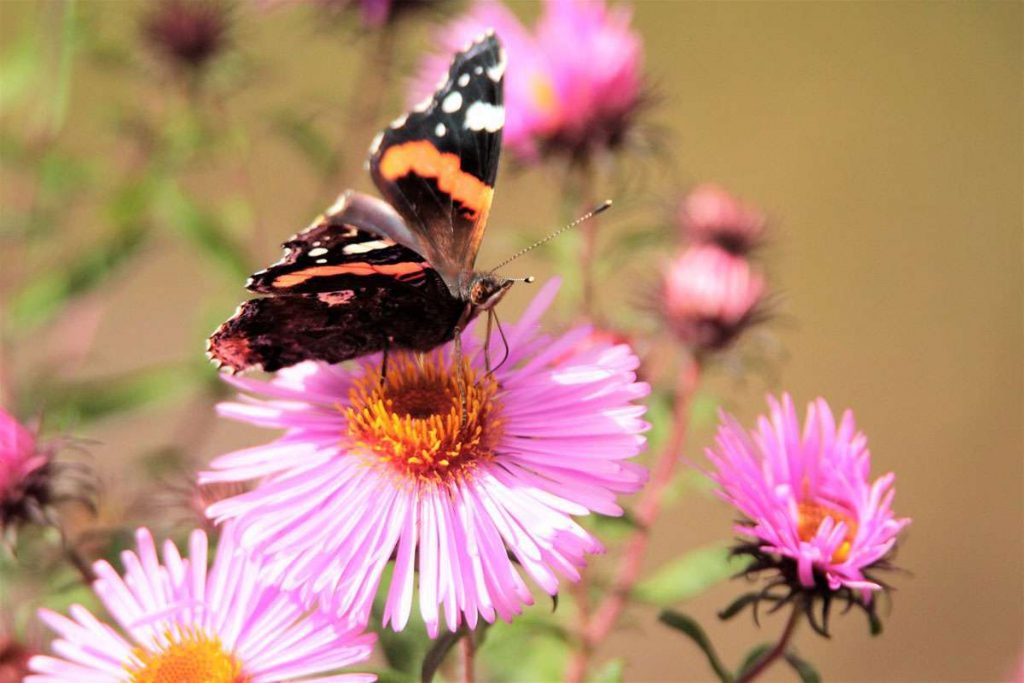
(785, 588)
(374, 471)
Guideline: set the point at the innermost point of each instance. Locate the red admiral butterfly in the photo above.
(368, 274)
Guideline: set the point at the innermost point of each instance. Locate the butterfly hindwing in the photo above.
(343, 289)
(437, 165)
(277, 331)
(335, 254)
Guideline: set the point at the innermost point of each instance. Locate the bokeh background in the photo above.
(884, 140)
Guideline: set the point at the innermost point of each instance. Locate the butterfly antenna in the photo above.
(604, 206)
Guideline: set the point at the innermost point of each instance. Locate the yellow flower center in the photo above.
(421, 421)
(191, 656)
(543, 92)
(810, 517)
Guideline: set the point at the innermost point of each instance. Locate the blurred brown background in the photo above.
(885, 141)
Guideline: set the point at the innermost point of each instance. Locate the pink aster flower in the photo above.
(183, 623)
(709, 295)
(807, 500)
(710, 214)
(373, 470)
(572, 85)
(24, 468)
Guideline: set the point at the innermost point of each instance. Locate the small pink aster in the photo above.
(709, 295)
(371, 471)
(806, 497)
(573, 84)
(24, 467)
(710, 214)
(186, 624)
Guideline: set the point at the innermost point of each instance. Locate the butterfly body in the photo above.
(369, 275)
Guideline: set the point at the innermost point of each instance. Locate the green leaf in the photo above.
(391, 676)
(611, 528)
(753, 657)
(533, 647)
(204, 230)
(688, 576)
(20, 66)
(874, 623)
(611, 672)
(804, 669)
(690, 628)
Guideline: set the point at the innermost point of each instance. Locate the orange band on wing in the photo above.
(398, 270)
(423, 159)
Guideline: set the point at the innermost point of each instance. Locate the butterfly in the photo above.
(369, 274)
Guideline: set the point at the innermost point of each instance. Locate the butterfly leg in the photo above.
(384, 362)
(487, 341)
(461, 379)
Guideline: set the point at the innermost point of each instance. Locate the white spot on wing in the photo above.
(321, 260)
(319, 251)
(452, 103)
(363, 247)
(498, 70)
(440, 130)
(485, 116)
(423, 104)
(463, 80)
(400, 121)
(374, 146)
(479, 70)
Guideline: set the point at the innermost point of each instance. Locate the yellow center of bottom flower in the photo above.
(810, 517)
(190, 657)
(426, 421)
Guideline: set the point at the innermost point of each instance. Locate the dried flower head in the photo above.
(188, 33)
(812, 519)
(183, 623)
(450, 474)
(709, 296)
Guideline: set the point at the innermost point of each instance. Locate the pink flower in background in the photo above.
(370, 470)
(24, 468)
(187, 624)
(806, 496)
(709, 214)
(709, 295)
(572, 85)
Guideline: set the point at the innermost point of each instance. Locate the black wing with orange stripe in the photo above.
(343, 289)
(336, 253)
(437, 165)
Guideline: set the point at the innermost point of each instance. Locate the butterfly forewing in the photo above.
(437, 165)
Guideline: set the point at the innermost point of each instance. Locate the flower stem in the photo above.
(608, 612)
(780, 647)
(468, 649)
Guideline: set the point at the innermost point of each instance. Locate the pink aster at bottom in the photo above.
(807, 499)
(373, 470)
(24, 474)
(184, 623)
